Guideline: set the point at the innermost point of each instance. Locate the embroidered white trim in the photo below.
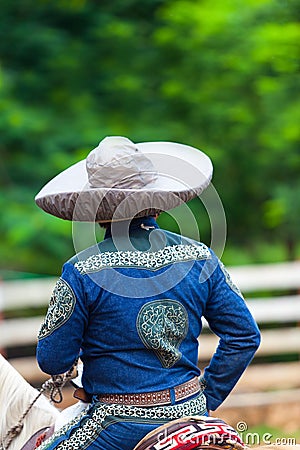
(89, 424)
(145, 260)
(60, 308)
(229, 281)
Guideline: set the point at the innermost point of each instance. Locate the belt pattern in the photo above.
(181, 392)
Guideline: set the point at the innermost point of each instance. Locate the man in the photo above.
(131, 306)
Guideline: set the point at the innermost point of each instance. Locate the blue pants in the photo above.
(122, 436)
(118, 427)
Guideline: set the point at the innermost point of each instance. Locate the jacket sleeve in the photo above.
(230, 319)
(61, 334)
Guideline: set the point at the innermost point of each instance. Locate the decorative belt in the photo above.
(157, 398)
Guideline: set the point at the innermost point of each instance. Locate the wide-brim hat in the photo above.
(120, 180)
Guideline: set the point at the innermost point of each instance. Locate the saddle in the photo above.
(195, 432)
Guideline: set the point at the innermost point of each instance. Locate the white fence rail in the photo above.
(250, 278)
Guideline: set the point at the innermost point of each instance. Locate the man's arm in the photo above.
(60, 336)
(229, 318)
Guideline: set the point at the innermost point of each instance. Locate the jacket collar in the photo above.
(145, 223)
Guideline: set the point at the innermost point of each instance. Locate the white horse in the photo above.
(27, 418)
(15, 397)
(25, 413)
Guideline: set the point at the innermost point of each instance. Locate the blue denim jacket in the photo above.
(132, 309)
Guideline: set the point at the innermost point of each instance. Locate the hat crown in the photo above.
(118, 163)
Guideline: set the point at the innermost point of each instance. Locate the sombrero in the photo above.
(120, 180)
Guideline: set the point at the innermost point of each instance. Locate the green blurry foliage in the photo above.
(282, 213)
(221, 76)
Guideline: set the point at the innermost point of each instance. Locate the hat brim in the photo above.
(183, 172)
